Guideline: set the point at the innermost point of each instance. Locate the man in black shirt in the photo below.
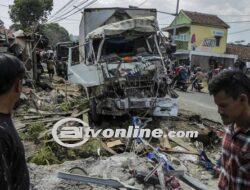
(14, 173)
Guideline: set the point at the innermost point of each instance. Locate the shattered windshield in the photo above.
(117, 47)
(125, 47)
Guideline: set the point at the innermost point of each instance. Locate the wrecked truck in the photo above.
(121, 65)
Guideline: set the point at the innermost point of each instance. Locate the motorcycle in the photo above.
(181, 85)
(196, 83)
(181, 80)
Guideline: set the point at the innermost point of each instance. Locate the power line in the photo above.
(241, 31)
(163, 12)
(64, 11)
(67, 4)
(142, 3)
(92, 2)
(243, 21)
(233, 15)
(4, 5)
(73, 19)
(63, 22)
(165, 24)
(70, 10)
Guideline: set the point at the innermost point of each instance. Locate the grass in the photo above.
(66, 106)
(91, 147)
(23, 135)
(44, 156)
(34, 130)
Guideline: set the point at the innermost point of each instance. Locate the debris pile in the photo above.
(39, 109)
(165, 163)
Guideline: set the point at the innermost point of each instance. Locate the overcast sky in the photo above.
(228, 10)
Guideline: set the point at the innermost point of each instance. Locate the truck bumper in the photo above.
(161, 107)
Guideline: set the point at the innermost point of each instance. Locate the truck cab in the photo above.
(121, 64)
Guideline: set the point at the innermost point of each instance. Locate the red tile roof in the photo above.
(241, 50)
(205, 19)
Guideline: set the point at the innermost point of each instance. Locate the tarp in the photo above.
(140, 24)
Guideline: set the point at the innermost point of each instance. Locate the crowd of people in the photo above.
(184, 76)
(46, 57)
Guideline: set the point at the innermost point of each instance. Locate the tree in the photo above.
(29, 13)
(55, 33)
(15, 27)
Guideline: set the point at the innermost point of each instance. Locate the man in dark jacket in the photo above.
(14, 174)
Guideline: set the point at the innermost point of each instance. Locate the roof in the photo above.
(242, 51)
(205, 19)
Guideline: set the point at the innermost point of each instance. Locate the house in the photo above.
(6, 38)
(243, 51)
(200, 39)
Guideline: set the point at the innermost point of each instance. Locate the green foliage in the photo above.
(33, 131)
(44, 156)
(23, 135)
(90, 148)
(83, 104)
(66, 106)
(55, 33)
(28, 13)
(15, 27)
(80, 103)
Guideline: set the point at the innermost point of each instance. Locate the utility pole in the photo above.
(176, 13)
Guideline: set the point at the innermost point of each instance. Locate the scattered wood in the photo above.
(169, 151)
(32, 117)
(19, 126)
(44, 134)
(164, 141)
(69, 88)
(114, 143)
(31, 110)
(46, 120)
(105, 147)
(80, 113)
(183, 144)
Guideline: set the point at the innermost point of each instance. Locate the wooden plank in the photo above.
(164, 141)
(80, 113)
(183, 144)
(114, 143)
(48, 120)
(105, 147)
(178, 152)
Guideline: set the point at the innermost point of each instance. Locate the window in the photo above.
(217, 39)
(182, 37)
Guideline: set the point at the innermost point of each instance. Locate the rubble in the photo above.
(119, 166)
(112, 167)
(108, 158)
